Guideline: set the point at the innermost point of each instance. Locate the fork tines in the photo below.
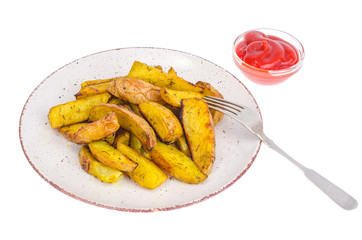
(222, 105)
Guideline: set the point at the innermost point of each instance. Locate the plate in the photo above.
(56, 160)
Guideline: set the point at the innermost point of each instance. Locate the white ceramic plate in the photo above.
(56, 160)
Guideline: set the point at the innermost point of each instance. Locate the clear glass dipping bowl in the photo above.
(269, 77)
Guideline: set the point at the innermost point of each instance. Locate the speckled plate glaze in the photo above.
(56, 160)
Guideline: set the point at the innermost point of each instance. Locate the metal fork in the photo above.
(251, 120)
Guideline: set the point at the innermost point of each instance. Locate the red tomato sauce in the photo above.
(266, 51)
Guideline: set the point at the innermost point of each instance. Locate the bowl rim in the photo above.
(290, 69)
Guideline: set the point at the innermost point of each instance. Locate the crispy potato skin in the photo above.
(160, 79)
(92, 131)
(135, 91)
(128, 120)
(146, 174)
(174, 97)
(111, 157)
(93, 90)
(90, 165)
(75, 111)
(163, 121)
(176, 164)
(211, 91)
(199, 132)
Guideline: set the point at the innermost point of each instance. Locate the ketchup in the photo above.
(266, 51)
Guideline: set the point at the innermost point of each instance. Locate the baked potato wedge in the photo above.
(75, 111)
(111, 157)
(93, 82)
(93, 90)
(91, 132)
(199, 131)
(176, 164)
(146, 174)
(90, 165)
(160, 79)
(135, 91)
(174, 97)
(211, 91)
(164, 122)
(128, 120)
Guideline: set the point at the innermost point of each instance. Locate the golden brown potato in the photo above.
(199, 132)
(182, 145)
(75, 111)
(174, 97)
(176, 164)
(135, 91)
(160, 79)
(93, 90)
(90, 165)
(211, 91)
(164, 122)
(91, 132)
(128, 120)
(122, 136)
(146, 174)
(111, 157)
(93, 82)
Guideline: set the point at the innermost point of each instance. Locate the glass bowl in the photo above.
(269, 77)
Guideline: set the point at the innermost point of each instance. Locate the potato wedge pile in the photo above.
(147, 125)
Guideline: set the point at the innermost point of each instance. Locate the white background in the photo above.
(315, 116)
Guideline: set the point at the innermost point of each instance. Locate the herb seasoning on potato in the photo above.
(127, 120)
(164, 122)
(199, 132)
(176, 164)
(116, 121)
(75, 111)
(90, 132)
(103, 172)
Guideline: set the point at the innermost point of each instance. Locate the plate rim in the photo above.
(178, 206)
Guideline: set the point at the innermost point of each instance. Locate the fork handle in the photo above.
(339, 196)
